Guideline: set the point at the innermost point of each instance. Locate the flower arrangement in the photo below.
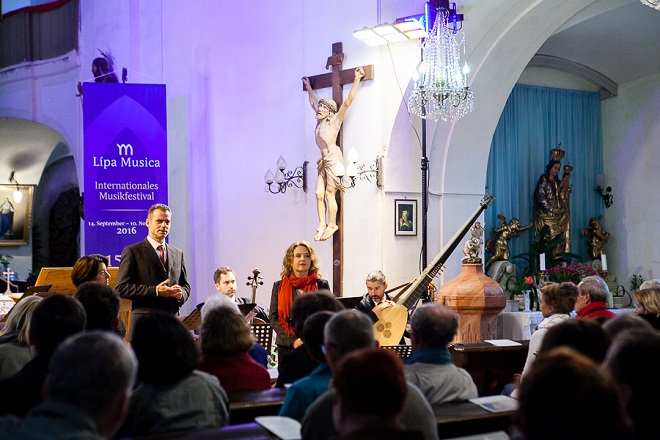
(519, 284)
(5, 260)
(573, 272)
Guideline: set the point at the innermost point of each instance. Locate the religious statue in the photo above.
(499, 244)
(472, 247)
(552, 201)
(329, 120)
(596, 236)
(6, 219)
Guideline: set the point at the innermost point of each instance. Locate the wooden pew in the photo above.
(466, 418)
(251, 430)
(60, 278)
(244, 406)
(490, 366)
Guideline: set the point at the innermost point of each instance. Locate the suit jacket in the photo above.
(140, 271)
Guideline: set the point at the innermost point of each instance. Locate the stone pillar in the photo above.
(477, 300)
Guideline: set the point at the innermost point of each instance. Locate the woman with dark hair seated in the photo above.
(90, 268)
(226, 339)
(171, 395)
(94, 267)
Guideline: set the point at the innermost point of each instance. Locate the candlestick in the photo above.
(542, 262)
(603, 261)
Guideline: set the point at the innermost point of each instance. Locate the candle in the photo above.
(603, 260)
(542, 262)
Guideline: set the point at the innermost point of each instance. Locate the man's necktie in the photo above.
(161, 251)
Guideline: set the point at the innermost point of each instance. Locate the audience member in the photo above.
(592, 299)
(618, 324)
(90, 268)
(171, 395)
(53, 320)
(346, 332)
(101, 304)
(257, 352)
(557, 301)
(225, 283)
(582, 335)
(634, 361)
(86, 393)
(649, 283)
(226, 339)
(371, 389)
(303, 392)
(95, 268)
(432, 328)
(565, 396)
(648, 305)
(14, 344)
(298, 363)
(300, 275)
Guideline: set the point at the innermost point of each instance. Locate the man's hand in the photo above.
(174, 291)
(382, 306)
(305, 81)
(359, 72)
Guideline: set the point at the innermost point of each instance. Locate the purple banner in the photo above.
(125, 156)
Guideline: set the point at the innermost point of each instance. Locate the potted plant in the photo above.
(519, 285)
(5, 260)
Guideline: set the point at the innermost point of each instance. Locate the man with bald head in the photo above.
(432, 328)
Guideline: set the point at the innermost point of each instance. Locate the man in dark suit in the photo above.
(152, 273)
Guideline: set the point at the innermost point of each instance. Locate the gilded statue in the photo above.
(499, 244)
(596, 236)
(552, 201)
(472, 247)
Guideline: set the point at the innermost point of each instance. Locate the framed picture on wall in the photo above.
(15, 216)
(405, 217)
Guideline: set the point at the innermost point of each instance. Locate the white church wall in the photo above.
(631, 161)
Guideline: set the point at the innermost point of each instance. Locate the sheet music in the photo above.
(285, 428)
(496, 403)
(503, 342)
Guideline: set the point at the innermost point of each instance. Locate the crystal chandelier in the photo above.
(441, 89)
(652, 3)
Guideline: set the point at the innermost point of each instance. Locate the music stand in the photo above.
(194, 320)
(350, 302)
(246, 308)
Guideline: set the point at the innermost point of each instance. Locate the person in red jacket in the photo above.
(592, 300)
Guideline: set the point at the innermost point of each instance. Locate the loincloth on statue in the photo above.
(326, 166)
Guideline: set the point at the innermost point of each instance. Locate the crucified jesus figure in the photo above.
(329, 120)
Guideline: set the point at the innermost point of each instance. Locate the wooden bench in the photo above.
(244, 406)
(490, 366)
(466, 418)
(251, 430)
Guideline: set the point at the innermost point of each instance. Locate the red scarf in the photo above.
(285, 296)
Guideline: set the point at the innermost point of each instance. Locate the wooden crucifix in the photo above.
(330, 116)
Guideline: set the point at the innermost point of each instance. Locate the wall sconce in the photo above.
(18, 195)
(372, 171)
(283, 180)
(604, 191)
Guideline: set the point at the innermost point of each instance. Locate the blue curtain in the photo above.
(534, 121)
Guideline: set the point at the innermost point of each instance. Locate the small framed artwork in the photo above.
(15, 216)
(405, 217)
